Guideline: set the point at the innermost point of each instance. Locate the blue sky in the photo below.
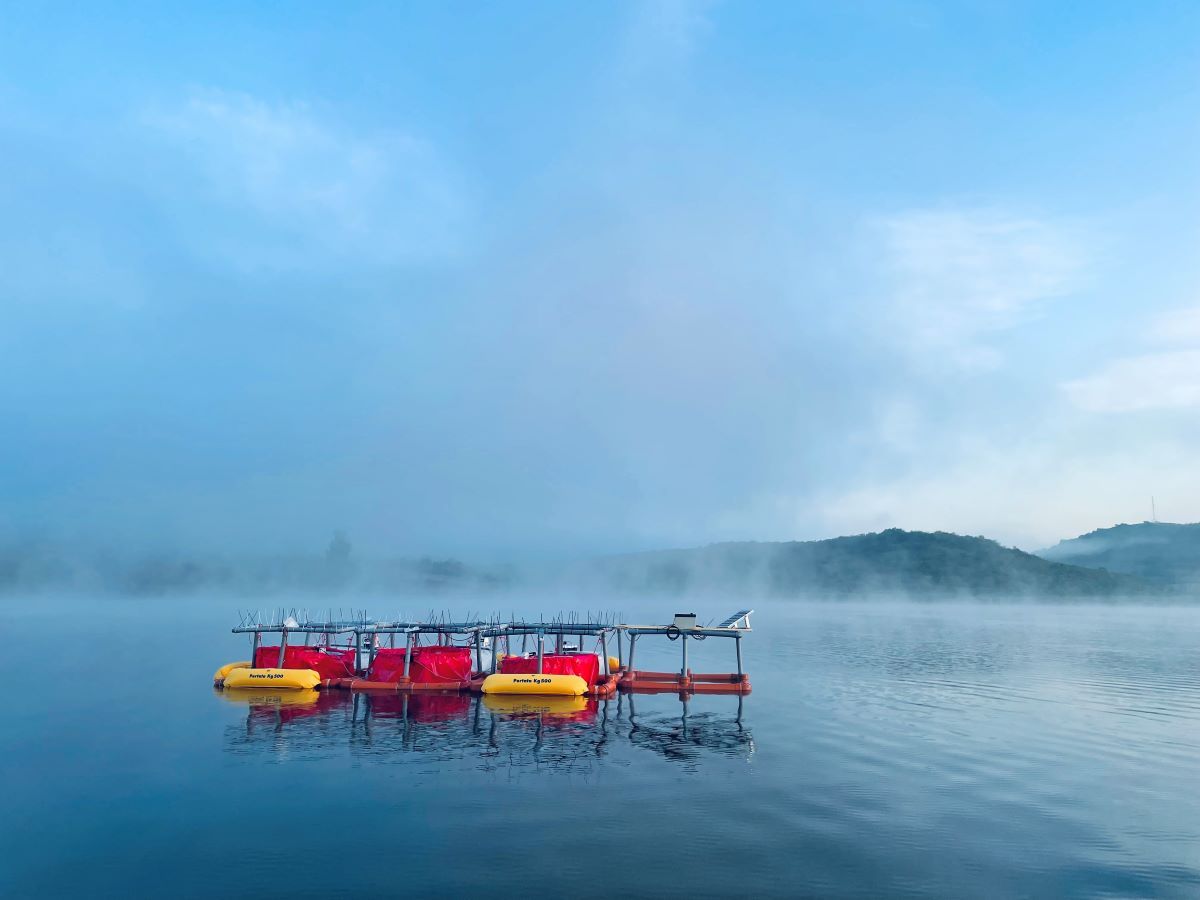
(549, 279)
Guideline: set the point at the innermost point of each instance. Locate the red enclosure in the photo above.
(430, 665)
(326, 663)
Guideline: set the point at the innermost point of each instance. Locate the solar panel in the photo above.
(737, 617)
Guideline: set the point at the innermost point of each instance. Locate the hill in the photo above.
(893, 562)
(1162, 553)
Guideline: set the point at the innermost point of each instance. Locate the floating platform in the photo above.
(437, 657)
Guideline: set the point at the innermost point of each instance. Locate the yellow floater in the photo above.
(556, 685)
(275, 679)
(227, 668)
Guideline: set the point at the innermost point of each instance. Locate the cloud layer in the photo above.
(524, 283)
(292, 191)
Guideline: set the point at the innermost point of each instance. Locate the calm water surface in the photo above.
(903, 750)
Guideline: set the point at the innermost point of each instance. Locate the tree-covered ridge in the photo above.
(1160, 552)
(892, 561)
(913, 563)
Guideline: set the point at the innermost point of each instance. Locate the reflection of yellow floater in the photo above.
(517, 704)
(268, 697)
(220, 674)
(554, 685)
(273, 679)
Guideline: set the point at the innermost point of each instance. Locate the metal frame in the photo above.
(559, 629)
(732, 627)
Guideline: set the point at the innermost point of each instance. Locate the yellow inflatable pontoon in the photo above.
(554, 685)
(275, 679)
(219, 675)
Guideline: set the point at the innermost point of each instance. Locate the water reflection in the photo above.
(566, 733)
(691, 735)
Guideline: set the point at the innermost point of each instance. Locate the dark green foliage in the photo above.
(893, 561)
(1161, 552)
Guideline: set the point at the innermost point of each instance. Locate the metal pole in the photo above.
(629, 662)
(408, 653)
(478, 653)
(282, 646)
(738, 643)
(357, 651)
(604, 653)
(371, 654)
(524, 638)
(558, 642)
(683, 671)
(254, 651)
(620, 649)
(541, 651)
(496, 651)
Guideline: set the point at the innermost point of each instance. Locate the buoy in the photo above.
(553, 685)
(275, 679)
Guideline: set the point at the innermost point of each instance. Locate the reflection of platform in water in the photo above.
(265, 697)
(577, 707)
(510, 732)
(689, 736)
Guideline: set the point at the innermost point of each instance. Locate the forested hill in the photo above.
(913, 563)
(1159, 552)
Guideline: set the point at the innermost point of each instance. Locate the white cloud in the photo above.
(1163, 379)
(296, 190)
(1025, 494)
(960, 276)
(1177, 326)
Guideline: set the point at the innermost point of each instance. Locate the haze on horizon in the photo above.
(562, 280)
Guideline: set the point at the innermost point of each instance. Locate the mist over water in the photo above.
(966, 750)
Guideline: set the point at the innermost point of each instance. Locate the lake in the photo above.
(887, 750)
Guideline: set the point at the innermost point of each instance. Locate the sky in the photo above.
(546, 280)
